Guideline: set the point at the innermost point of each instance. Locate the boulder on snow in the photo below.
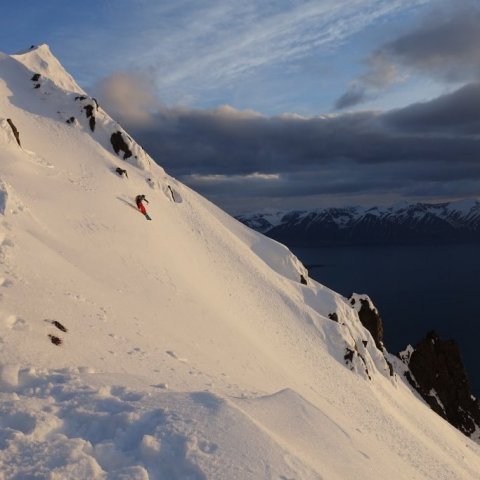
(57, 324)
(439, 376)
(15, 131)
(36, 77)
(121, 172)
(333, 316)
(55, 340)
(119, 144)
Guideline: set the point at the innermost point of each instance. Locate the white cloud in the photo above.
(192, 49)
(234, 179)
(129, 97)
(228, 41)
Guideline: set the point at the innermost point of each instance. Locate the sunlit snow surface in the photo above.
(191, 348)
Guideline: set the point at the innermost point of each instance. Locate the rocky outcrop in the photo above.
(437, 372)
(369, 317)
(119, 144)
(89, 113)
(89, 110)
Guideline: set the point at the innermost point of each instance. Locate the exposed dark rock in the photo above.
(333, 316)
(55, 340)
(88, 110)
(81, 97)
(121, 171)
(440, 378)
(303, 280)
(348, 357)
(365, 343)
(89, 114)
(37, 85)
(36, 77)
(15, 131)
(96, 103)
(70, 120)
(57, 324)
(119, 144)
(370, 319)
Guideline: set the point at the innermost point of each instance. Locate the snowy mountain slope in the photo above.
(453, 221)
(192, 348)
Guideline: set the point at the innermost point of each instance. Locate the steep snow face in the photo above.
(182, 347)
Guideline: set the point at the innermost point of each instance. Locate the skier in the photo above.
(138, 200)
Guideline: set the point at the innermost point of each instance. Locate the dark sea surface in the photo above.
(415, 288)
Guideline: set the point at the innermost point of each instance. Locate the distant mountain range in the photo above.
(404, 223)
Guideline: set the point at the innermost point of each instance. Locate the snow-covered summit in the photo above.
(39, 59)
(185, 347)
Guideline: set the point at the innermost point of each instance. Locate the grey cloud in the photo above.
(208, 143)
(381, 73)
(241, 157)
(351, 97)
(448, 46)
(445, 46)
(454, 113)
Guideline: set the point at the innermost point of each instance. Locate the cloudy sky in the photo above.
(281, 104)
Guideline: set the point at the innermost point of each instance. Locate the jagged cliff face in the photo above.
(433, 367)
(188, 346)
(437, 372)
(455, 221)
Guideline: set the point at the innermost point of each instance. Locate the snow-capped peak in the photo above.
(39, 59)
(405, 222)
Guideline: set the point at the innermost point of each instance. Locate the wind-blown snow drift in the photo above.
(192, 349)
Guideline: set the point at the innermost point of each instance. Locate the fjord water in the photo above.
(416, 288)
